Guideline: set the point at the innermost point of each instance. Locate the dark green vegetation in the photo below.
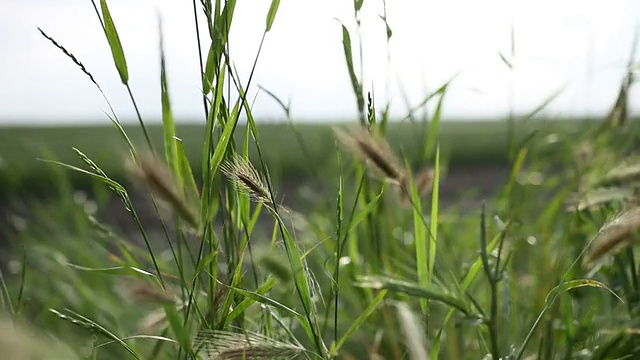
(292, 148)
(370, 266)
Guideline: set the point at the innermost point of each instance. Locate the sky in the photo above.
(580, 46)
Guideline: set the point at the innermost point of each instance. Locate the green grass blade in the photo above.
(209, 71)
(82, 321)
(180, 330)
(188, 181)
(244, 304)
(114, 43)
(267, 301)
(103, 179)
(115, 270)
(433, 225)
(434, 126)
(355, 83)
(168, 125)
(302, 284)
(421, 241)
(5, 299)
(271, 15)
(357, 323)
(364, 211)
(412, 289)
(357, 5)
(550, 299)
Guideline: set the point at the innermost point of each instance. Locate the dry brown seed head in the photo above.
(374, 152)
(614, 236)
(157, 176)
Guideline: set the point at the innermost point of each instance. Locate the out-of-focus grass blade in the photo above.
(434, 126)
(209, 71)
(466, 282)
(168, 125)
(357, 323)
(412, 289)
(433, 224)
(223, 143)
(386, 25)
(271, 15)
(116, 270)
(551, 297)
(355, 83)
(268, 301)
(364, 211)
(427, 98)
(574, 284)
(244, 304)
(421, 240)
(139, 337)
(80, 320)
(114, 43)
(5, 300)
(114, 185)
(186, 173)
(300, 280)
(357, 5)
(515, 170)
(125, 137)
(544, 104)
(179, 328)
(505, 61)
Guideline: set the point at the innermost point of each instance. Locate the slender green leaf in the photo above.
(433, 225)
(186, 174)
(434, 126)
(114, 43)
(421, 240)
(168, 125)
(267, 301)
(551, 297)
(357, 323)
(244, 304)
(178, 327)
(355, 83)
(412, 289)
(364, 211)
(271, 15)
(80, 320)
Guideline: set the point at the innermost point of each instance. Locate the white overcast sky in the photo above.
(584, 44)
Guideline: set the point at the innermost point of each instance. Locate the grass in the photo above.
(375, 268)
(464, 143)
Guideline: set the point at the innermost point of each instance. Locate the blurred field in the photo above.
(288, 148)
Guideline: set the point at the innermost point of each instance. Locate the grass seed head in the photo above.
(375, 152)
(614, 236)
(144, 293)
(246, 179)
(156, 174)
(224, 345)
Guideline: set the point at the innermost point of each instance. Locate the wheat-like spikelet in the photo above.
(225, 345)
(375, 152)
(623, 174)
(598, 197)
(614, 236)
(145, 293)
(155, 173)
(246, 179)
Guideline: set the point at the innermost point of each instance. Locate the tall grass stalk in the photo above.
(346, 279)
